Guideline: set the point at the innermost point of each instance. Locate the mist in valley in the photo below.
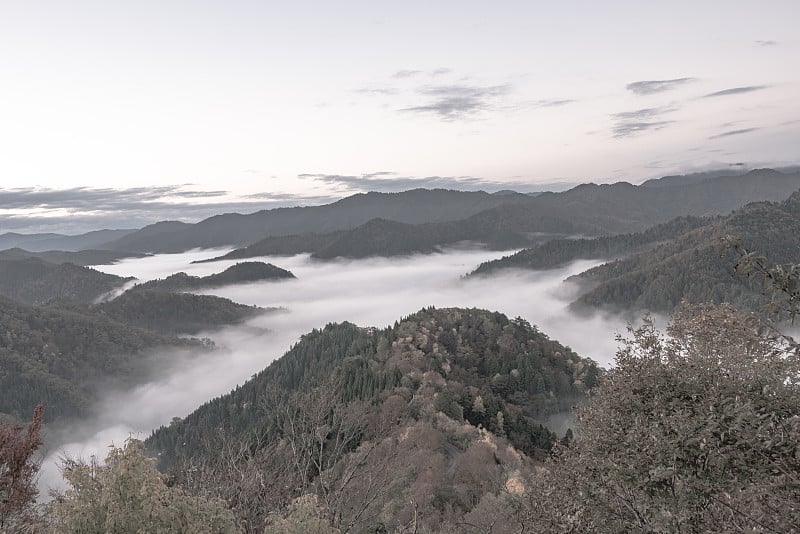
(371, 292)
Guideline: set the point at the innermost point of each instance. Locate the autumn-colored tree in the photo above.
(18, 469)
(128, 496)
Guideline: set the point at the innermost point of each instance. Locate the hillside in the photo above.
(251, 271)
(695, 266)
(35, 281)
(173, 313)
(82, 257)
(411, 207)
(464, 390)
(58, 357)
(559, 252)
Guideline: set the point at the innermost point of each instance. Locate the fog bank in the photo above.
(371, 292)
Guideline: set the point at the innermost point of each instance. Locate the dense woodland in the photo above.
(559, 252)
(250, 271)
(457, 388)
(697, 265)
(36, 281)
(57, 357)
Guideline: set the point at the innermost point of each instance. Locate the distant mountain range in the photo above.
(411, 207)
(590, 210)
(420, 220)
(423, 220)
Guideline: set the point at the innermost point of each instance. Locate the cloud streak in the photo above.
(79, 209)
(737, 91)
(733, 132)
(457, 102)
(630, 123)
(649, 87)
(390, 182)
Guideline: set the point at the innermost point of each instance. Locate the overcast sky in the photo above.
(274, 102)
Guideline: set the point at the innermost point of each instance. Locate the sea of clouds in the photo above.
(367, 292)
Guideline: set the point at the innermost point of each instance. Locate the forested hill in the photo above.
(695, 266)
(244, 272)
(173, 313)
(559, 252)
(58, 357)
(82, 257)
(35, 281)
(413, 207)
(459, 391)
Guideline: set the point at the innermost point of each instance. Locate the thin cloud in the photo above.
(767, 43)
(649, 87)
(454, 102)
(553, 103)
(390, 182)
(734, 132)
(80, 209)
(385, 91)
(629, 123)
(737, 91)
(440, 71)
(406, 74)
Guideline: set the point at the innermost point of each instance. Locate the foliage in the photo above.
(780, 283)
(18, 469)
(426, 417)
(693, 432)
(53, 356)
(128, 495)
(303, 517)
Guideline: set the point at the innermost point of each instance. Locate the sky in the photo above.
(240, 105)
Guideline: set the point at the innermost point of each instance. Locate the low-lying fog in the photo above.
(371, 292)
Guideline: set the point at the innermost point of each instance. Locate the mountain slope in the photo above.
(439, 410)
(695, 266)
(35, 281)
(251, 271)
(82, 257)
(558, 252)
(172, 313)
(58, 357)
